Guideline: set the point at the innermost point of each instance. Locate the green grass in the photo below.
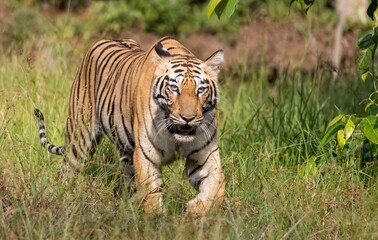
(279, 184)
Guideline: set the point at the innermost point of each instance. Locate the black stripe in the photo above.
(178, 70)
(101, 67)
(214, 90)
(196, 71)
(199, 166)
(86, 79)
(145, 155)
(157, 85)
(111, 107)
(207, 158)
(78, 77)
(128, 134)
(178, 62)
(195, 170)
(108, 98)
(105, 89)
(148, 134)
(108, 58)
(124, 87)
(161, 87)
(74, 151)
(174, 80)
(203, 146)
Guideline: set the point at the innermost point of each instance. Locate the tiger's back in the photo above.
(151, 104)
(104, 75)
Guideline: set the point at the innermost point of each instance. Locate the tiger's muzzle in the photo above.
(185, 130)
(184, 125)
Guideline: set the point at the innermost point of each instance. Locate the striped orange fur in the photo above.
(156, 106)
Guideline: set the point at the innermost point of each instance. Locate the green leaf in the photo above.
(330, 134)
(221, 6)
(365, 59)
(309, 170)
(341, 138)
(369, 126)
(304, 4)
(365, 75)
(230, 8)
(356, 120)
(211, 7)
(349, 129)
(335, 120)
(366, 40)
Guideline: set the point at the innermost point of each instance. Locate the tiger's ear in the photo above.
(160, 51)
(215, 60)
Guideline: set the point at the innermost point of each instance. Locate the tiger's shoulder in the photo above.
(168, 46)
(124, 44)
(165, 46)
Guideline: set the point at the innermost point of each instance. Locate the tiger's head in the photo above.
(185, 88)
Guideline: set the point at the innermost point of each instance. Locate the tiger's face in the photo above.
(186, 90)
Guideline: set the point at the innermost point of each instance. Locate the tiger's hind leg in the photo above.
(78, 154)
(77, 160)
(128, 172)
(82, 138)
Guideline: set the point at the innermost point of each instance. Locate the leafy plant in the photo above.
(356, 136)
(304, 4)
(221, 6)
(228, 6)
(355, 133)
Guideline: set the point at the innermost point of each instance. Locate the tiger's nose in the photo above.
(187, 118)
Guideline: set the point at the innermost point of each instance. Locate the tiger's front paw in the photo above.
(198, 207)
(151, 203)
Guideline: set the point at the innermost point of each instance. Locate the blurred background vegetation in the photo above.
(259, 32)
(279, 91)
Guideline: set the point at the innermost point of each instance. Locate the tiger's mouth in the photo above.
(185, 130)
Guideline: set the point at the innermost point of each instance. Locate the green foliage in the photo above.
(276, 176)
(280, 183)
(63, 4)
(356, 140)
(349, 128)
(371, 9)
(228, 6)
(175, 17)
(304, 4)
(220, 6)
(23, 24)
(367, 44)
(369, 126)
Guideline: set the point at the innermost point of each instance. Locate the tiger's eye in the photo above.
(174, 88)
(201, 90)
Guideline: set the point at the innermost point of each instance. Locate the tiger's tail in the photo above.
(58, 150)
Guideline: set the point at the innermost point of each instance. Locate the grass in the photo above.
(279, 184)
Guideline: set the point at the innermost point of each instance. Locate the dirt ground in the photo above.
(276, 45)
(282, 45)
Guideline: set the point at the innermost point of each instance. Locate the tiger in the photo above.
(156, 106)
